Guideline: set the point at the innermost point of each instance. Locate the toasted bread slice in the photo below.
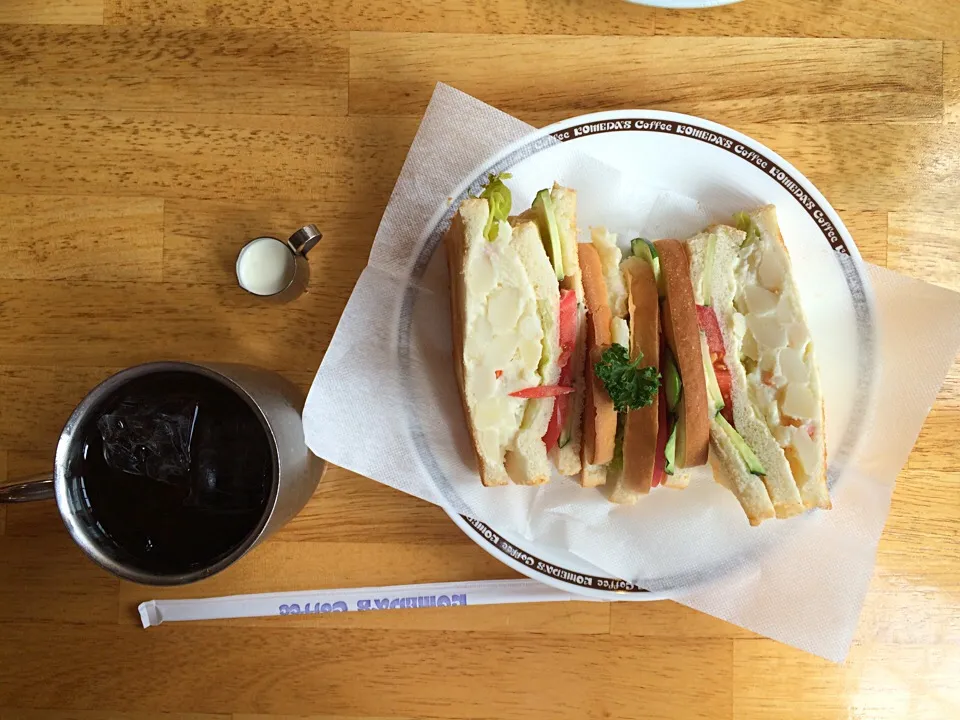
(682, 333)
(641, 426)
(600, 419)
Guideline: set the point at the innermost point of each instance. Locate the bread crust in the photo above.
(475, 211)
(682, 333)
(642, 426)
(599, 416)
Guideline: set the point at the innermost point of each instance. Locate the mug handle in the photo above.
(38, 487)
(304, 239)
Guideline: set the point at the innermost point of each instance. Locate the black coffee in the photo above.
(175, 472)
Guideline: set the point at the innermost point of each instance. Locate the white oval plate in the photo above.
(723, 171)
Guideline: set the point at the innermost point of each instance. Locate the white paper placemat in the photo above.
(807, 585)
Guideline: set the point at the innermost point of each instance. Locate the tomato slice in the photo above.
(568, 325)
(561, 407)
(542, 391)
(707, 319)
(566, 375)
(660, 459)
(567, 321)
(568, 340)
(725, 382)
(552, 436)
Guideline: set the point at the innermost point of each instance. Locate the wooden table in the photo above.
(142, 140)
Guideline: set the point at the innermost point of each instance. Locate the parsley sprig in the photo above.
(630, 386)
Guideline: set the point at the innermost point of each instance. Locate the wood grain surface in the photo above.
(142, 141)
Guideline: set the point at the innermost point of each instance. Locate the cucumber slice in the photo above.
(752, 461)
(681, 431)
(645, 250)
(549, 231)
(567, 432)
(672, 386)
(670, 451)
(713, 387)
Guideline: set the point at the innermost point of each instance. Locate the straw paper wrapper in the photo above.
(385, 404)
(318, 602)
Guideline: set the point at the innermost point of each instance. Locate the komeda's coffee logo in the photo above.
(694, 132)
(545, 568)
(375, 603)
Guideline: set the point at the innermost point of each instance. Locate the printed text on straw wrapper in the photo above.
(387, 603)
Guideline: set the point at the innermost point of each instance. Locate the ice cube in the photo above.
(149, 437)
(227, 473)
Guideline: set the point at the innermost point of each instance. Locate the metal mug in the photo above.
(277, 405)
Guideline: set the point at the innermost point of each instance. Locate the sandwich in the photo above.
(642, 326)
(767, 430)
(627, 371)
(516, 304)
(555, 213)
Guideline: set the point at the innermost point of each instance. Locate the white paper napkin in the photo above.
(385, 404)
